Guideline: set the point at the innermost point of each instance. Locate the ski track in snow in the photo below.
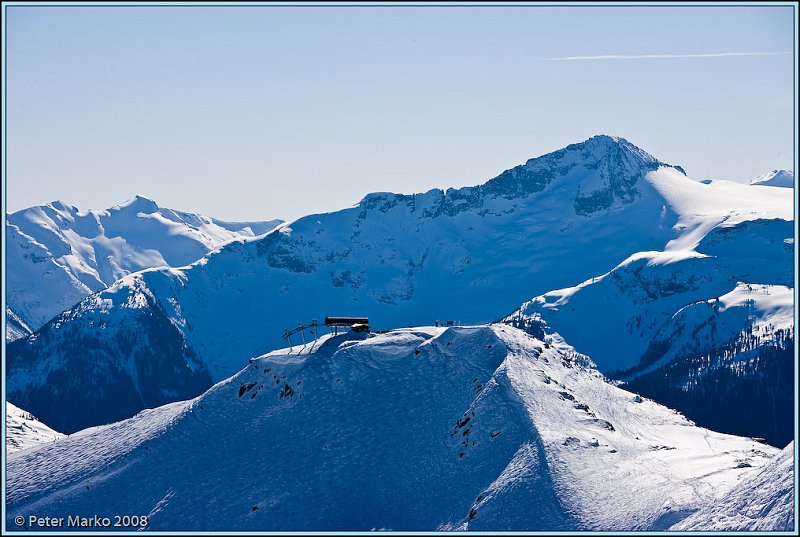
(763, 501)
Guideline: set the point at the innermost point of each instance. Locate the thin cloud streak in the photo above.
(663, 56)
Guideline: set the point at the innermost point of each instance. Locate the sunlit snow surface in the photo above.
(764, 501)
(57, 254)
(740, 272)
(24, 431)
(480, 428)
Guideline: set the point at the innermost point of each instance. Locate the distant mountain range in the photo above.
(611, 314)
(781, 178)
(58, 255)
(611, 241)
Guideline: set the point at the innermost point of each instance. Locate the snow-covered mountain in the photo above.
(780, 178)
(764, 501)
(673, 323)
(112, 370)
(472, 428)
(472, 255)
(57, 255)
(37, 287)
(24, 431)
(745, 386)
(653, 297)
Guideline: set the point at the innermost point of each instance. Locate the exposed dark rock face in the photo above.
(144, 364)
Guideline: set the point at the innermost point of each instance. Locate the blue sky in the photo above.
(260, 112)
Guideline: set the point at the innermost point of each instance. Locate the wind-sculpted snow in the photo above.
(470, 255)
(479, 428)
(763, 501)
(57, 254)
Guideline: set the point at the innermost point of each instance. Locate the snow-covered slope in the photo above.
(624, 318)
(57, 254)
(471, 254)
(779, 178)
(479, 428)
(37, 286)
(764, 501)
(761, 310)
(24, 431)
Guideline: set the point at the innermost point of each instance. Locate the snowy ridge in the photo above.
(24, 431)
(415, 429)
(779, 178)
(57, 254)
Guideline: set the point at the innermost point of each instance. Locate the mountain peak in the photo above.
(605, 139)
(598, 172)
(60, 205)
(602, 170)
(781, 178)
(603, 147)
(139, 204)
(612, 152)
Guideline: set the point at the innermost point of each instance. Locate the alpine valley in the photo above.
(621, 357)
